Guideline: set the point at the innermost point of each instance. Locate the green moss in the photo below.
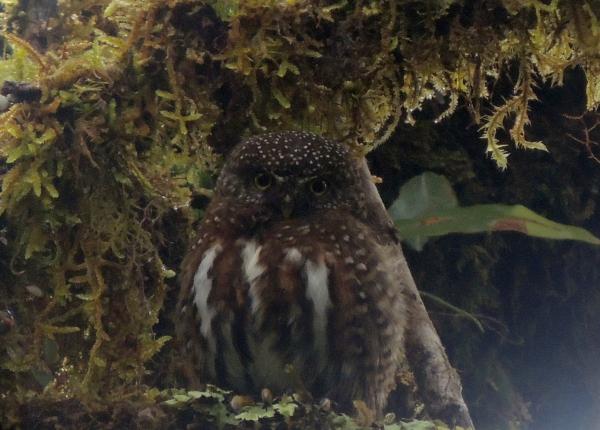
(98, 176)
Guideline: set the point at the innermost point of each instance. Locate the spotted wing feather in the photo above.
(296, 316)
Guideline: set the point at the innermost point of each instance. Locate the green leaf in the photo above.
(225, 9)
(283, 101)
(423, 194)
(420, 425)
(51, 189)
(100, 362)
(171, 402)
(48, 136)
(344, 422)
(312, 53)
(50, 350)
(433, 215)
(122, 179)
(182, 397)
(255, 413)
(16, 153)
(211, 392)
(36, 242)
(285, 66)
(492, 217)
(285, 408)
(42, 376)
(165, 95)
(196, 394)
(169, 273)
(171, 115)
(36, 181)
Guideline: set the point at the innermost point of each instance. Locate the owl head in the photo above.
(289, 175)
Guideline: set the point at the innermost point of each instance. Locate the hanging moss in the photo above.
(138, 97)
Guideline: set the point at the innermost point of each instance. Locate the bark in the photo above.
(437, 381)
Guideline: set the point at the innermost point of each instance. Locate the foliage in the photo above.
(427, 207)
(534, 361)
(99, 175)
(226, 410)
(211, 407)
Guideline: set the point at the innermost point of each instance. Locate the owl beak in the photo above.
(287, 206)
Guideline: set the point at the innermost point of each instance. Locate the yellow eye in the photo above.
(263, 181)
(318, 186)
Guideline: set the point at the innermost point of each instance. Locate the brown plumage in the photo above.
(293, 279)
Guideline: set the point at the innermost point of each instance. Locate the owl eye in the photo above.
(263, 181)
(318, 186)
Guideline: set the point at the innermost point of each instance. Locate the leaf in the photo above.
(211, 392)
(285, 66)
(48, 136)
(420, 425)
(196, 394)
(100, 362)
(152, 394)
(344, 422)
(255, 413)
(43, 377)
(225, 9)
(51, 330)
(122, 179)
(488, 218)
(182, 397)
(36, 242)
(51, 189)
(311, 53)
(417, 425)
(50, 351)
(427, 207)
(16, 153)
(150, 346)
(423, 194)
(35, 180)
(283, 101)
(285, 408)
(171, 402)
(327, 10)
(170, 115)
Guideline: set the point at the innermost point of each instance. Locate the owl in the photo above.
(296, 281)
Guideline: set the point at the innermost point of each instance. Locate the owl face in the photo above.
(289, 175)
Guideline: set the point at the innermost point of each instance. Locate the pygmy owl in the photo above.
(296, 279)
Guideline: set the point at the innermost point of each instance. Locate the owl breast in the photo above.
(303, 305)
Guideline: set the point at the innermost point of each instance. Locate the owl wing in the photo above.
(316, 294)
(438, 382)
(367, 320)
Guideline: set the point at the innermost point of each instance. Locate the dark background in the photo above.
(538, 299)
